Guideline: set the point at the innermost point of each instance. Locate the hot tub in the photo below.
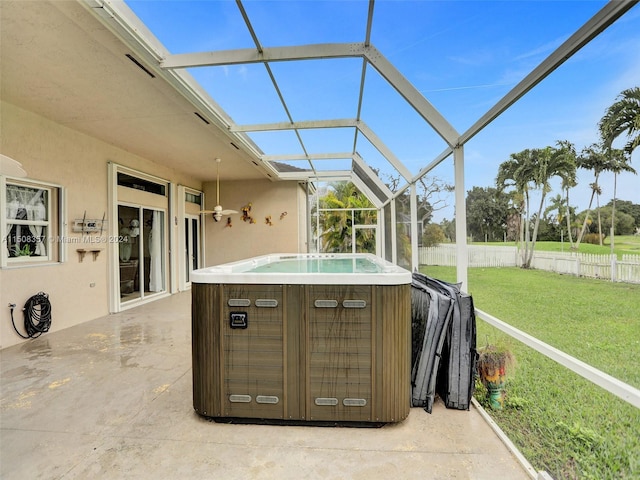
(302, 337)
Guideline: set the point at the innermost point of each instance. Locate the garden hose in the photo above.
(37, 315)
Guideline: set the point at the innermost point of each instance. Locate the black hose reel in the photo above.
(37, 315)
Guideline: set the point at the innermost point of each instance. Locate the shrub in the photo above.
(433, 235)
(593, 238)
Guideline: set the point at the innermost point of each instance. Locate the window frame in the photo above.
(53, 226)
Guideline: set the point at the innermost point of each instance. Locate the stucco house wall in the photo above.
(53, 153)
(79, 290)
(275, 208)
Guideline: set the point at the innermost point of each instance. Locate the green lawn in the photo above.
(623, 245)
(561, 422)
(627, 244)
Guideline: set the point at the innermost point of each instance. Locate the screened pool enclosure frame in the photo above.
(173, 68)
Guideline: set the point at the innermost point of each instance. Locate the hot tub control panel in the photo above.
(238, 320)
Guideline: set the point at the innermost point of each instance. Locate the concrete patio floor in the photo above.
(111, 398)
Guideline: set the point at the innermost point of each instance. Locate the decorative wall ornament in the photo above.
(246, 210)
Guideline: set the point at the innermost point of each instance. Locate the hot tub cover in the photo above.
(443, 343)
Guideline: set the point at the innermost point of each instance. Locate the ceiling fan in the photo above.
(217, 211)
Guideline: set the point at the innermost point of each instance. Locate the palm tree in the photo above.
(567, 149)
(619, 162)
(623, 116)
(551, 162)
(534, 168)
(517, 172)
(557, 204)
(346, 206)
(336, 233)
(592, 158)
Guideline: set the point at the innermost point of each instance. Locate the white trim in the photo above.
(243, 271)
(113, 291)
(141, 301)
(461, 219)
(505, 439)
(115, 304)
(186, 284)
(181, 266)
(142, 176)
(203, 249)
(165, 260)
(413, 200)
(373, 227)
(172, 246)
(56, 219)
(179, 257)
(394, 232)
(381, 244)
(62, 234)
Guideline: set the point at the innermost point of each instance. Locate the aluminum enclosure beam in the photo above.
(252, 55)
(308, 124)
(594, 26)
(310, 156)
(371, 174)
(326, 176)
(434, 163)
(384, 150)
(338, 123)
(121, 20)
(323, 51)
(367, 192)
(413, 227)
(412, 96)
(462, 255)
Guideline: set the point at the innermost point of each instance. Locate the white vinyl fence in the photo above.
(579, 264)
(479, 256)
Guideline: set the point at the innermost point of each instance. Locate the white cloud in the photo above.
(542, 51)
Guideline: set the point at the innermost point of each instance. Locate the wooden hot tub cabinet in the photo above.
(337, 353)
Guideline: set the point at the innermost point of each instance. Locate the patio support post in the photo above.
(380, 240)
(308, 209)
(414, 228)
(354, 247)
(462, 257)
(394, 240)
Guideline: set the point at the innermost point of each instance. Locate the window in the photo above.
(30, 223)
(193, 198)
(138, 183)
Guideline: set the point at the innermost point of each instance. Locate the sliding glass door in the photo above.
(142, 252)
(192, 246)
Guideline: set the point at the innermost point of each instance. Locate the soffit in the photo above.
(60, 62)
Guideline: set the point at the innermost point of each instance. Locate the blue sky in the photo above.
(463, 56)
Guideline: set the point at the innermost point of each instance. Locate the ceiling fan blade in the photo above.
(207, 211)
(229, 212)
